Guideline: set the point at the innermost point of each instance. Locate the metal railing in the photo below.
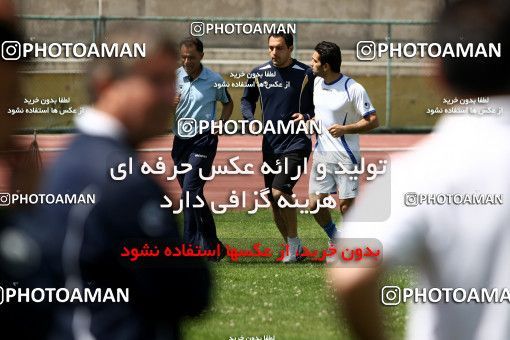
(99, 28)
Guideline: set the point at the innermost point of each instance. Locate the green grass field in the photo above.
(290, 301)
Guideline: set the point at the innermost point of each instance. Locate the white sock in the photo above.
(294, 241)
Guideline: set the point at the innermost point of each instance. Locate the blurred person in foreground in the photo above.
(19, 253)
(10, 85)
(452, 245)
(83, 243)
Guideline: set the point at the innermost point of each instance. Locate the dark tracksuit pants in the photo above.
(199, 151)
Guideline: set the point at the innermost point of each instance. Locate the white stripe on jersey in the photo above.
(343, 102)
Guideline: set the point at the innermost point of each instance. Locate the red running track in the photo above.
(374, 147)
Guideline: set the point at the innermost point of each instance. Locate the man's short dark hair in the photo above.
(289, 38)
(192, 41)
(329, 53)
(476, 22)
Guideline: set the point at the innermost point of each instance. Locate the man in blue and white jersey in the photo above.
(344, 109)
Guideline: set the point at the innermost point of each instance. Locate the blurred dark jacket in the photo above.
(82, 244)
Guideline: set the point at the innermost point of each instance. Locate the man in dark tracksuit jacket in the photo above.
(286, 104)
(83, 243)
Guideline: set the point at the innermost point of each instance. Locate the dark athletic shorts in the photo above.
(283, 181)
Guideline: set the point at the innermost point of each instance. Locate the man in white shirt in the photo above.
(455, 244)
(343, 108)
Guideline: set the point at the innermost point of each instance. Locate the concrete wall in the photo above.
(308, 34)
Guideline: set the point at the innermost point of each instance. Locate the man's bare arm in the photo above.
(358, 292)
(227, 110)
(365, 124)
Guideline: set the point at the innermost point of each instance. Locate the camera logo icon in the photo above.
(187, 127)
(5, 199)
(411, 199)
(197, 29)
(365, 50)
(11, 50)
(390, 295)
